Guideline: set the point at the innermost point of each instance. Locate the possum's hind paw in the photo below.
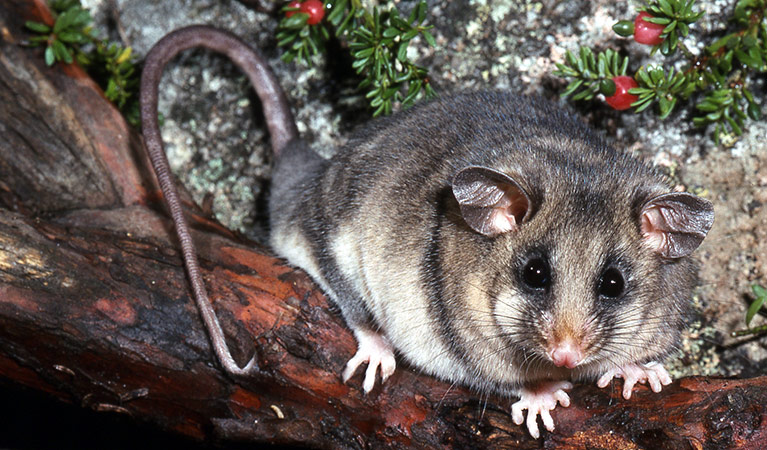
(540, 400)
(372, 348)
(652, 372)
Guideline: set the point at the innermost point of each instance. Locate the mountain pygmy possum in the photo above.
(492, 239)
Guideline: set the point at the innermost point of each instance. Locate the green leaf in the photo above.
(658, 20)
(50, 57)
(82, 17)
(571, 59)
(714, 116)
(422, 9)
(669, 28)
(379, 110)
(344, 26)
(375, 92)
(665, 7)
(707, 106)
(666, 105)
(37, 27)
(642, 76)
(429, 38)
(413, 14)
(285, 38)
(756, 305)
(656, 75)
(745, 59)
(684, 29)
(583, 95)
(402, 52)
(722, 42)
(63, 21)
(734, 125)
(665, 47)
(699, 121)
(410, 35)
(572, 87)
(294, 22)
(377, 66)
(624, 28)
(71, 36)
(364, 53)
(313, 46)
(643, 103)
(359, 64)
(565, 71)
(288, 57)
(402, 77)
(391, 32)
(584, 59)
(390, 92)
(410, 98)
(624, 66)
(61, 52)
(601, 64)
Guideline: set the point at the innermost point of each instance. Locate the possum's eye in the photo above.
(611, 283)
(536, 273)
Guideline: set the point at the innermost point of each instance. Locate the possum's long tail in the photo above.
(282, 130)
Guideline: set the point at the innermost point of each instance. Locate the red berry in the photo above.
(314, 8)
(646, 32)
(293, 4)
(622, 99)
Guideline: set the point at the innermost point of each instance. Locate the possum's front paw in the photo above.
(540, 400)
(652, 372)
(372, 348)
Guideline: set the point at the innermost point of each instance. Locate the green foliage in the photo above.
(661, 86)
(676, 16)
(109, 64)
(760, 294)
(378, 41)
(716, 81)
(591, 73)
(730, 59)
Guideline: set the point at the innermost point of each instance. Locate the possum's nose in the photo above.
(566, 354)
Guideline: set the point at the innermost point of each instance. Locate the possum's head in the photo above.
(572, 278)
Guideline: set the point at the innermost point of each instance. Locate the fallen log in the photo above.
(95, 310)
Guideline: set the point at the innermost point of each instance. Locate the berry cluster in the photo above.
(377, 38)
(717, 79)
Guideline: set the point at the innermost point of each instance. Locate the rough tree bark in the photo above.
(95, 309)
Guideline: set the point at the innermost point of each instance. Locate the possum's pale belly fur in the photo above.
(396, 306)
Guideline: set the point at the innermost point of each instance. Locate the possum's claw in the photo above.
(541, 399)
(652, 372)
(372, 348)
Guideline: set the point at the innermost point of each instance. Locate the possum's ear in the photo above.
(674, 224)
(492, 203)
